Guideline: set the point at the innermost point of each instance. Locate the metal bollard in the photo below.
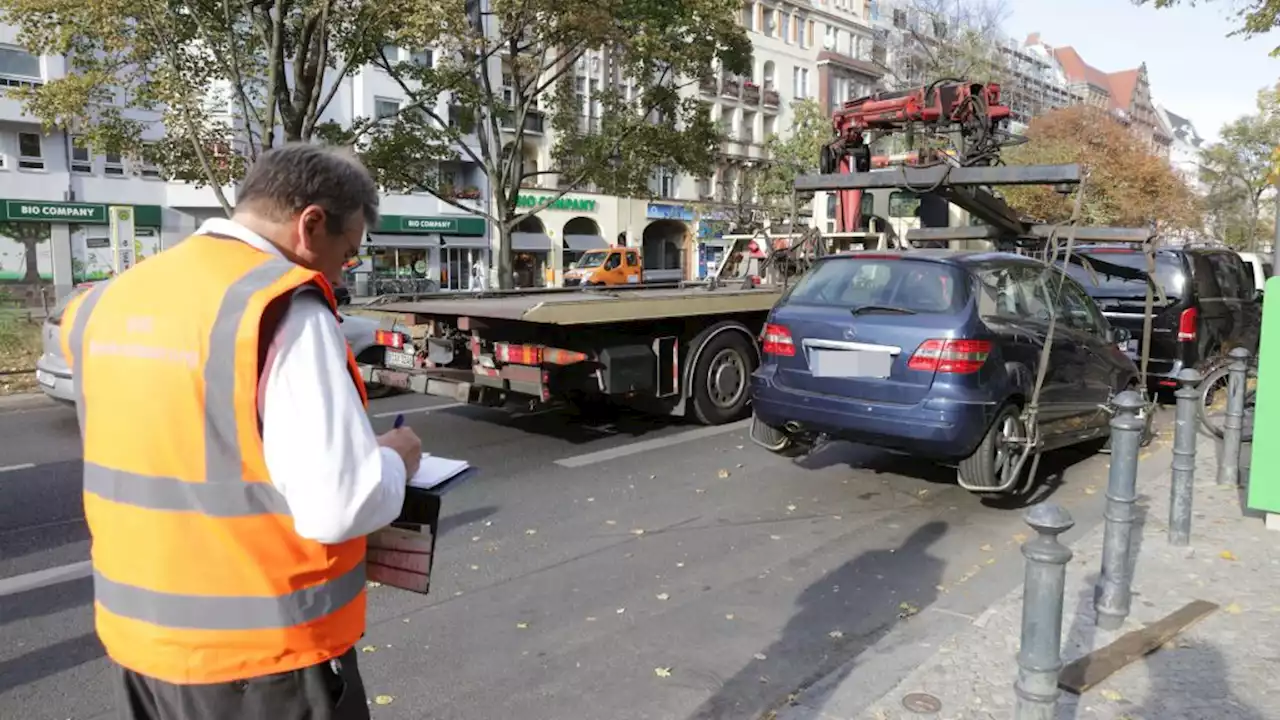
(1040, 653)
(1111, 600)
(1229, 461)
(1184, 457)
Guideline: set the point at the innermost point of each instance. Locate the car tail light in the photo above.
(1187, 323)
(388, 338)
(950, 356)
(776, 340)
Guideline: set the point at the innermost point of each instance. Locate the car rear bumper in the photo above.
(54, 378)
(937, 428)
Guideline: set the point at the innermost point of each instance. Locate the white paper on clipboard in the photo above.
(435, 470)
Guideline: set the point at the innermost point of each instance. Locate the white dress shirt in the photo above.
(320, 450)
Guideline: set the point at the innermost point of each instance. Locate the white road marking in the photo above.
(646, 445)
(427, 409)
(45, 578)
(21, 466)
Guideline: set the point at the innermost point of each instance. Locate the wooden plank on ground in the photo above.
(1086, 672)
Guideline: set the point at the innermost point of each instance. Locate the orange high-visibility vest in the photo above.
(199, 576)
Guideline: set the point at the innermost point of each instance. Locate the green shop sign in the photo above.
(470, 226)
(73, 213)
(565, 203)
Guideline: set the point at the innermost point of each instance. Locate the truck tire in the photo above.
(721, 379)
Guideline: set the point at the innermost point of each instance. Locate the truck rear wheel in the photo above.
(721, 379)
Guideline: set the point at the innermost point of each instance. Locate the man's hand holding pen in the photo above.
(405, 443)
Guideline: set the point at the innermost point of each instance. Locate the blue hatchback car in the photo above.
(936, 353)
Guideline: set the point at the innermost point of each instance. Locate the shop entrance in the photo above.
(465, 268)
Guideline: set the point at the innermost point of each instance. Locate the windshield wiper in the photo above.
(882, 308)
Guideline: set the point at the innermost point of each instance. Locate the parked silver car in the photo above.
(54, 376)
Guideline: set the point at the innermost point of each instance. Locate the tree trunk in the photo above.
(32, 276)
(500, 271)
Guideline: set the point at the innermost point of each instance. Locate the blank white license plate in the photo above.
(1133, 346)
(850, 363)
(398, 359)
(45, 379)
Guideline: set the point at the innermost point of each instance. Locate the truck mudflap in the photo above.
(453, 384)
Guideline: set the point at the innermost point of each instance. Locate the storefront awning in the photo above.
(530, 242)
(583, 243)
(403, 241)
(456, 241)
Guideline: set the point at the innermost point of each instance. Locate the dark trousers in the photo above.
(328, 691)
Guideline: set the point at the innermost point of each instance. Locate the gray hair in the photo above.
(285, 180)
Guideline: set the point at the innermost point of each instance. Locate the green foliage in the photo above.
(511, 84)
(1239, 168)
(796, 154)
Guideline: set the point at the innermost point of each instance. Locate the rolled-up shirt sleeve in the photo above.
(320, 449)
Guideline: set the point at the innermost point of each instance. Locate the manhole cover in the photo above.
(921, 703)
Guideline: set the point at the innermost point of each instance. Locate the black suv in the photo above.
(1210, 304)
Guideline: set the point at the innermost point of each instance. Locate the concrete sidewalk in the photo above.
(1222, 668)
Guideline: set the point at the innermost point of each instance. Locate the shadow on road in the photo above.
(838, 617)
(41, 509)
(1174, 694)
(49, 660)
(1050, 475)
(579, 426)
(466, 517)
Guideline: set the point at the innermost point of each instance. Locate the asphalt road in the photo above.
(629, 569)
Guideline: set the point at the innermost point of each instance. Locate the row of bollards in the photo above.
(1040, 654)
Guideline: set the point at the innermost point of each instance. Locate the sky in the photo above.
(1194, 69)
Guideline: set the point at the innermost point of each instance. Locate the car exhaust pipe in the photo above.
(792, 427)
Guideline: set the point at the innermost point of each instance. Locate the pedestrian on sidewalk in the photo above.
(230, 471)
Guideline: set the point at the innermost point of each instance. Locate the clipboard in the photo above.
(402, 554)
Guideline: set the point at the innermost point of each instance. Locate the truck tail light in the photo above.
(388, 338)
(776, 340)
(960, 357)
(1187, 323)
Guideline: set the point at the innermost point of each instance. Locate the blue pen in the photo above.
(399, 421)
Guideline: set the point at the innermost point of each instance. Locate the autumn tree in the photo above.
(1126, 184)
(506, 72)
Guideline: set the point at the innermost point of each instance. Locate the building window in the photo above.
(113, 164)
(30, 151)
(667, 183)
(749, 16)
(748, 134)
(81, 161)
(146, 165)
(770, 22)
(19, 68)
(800, 80)
(423, 58)
(786, 28)
(829, 39)
(804, 28)
(384, 108)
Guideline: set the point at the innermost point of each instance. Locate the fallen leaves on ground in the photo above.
(1111, 695)
(662, 672)
(369, 648)
(760, 656)
(835, 634)
(985, 548)
(729, 616)
(522, 625)
(775, 537)
(1227, 555)
(663, 596)
(1234, 609)
(384, 700)
(621, 610)
(906, 610)
(791, 508)
(722, 473)
(530, 531)
(1090, 490)
(637, 531)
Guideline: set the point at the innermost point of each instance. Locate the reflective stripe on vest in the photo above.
(223, 494)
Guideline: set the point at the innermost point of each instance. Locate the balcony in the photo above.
(708, 85)
(771, 98)
(730, 88)
(751, 93)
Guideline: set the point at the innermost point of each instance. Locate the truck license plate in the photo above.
(398, 359)
(1133, 346)
(45, 379)
(850, 363)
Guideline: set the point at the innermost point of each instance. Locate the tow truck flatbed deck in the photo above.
(591, 307)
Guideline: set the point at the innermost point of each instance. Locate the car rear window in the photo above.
(852, 282)
(1169, 275)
